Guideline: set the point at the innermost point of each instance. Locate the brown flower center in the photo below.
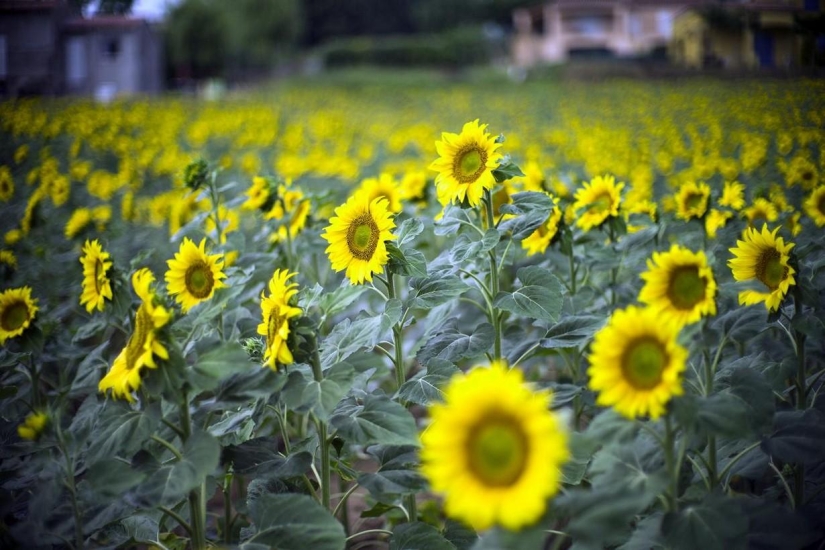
(820, 204)
(769, 268)
(362, 237)
(686, 288)
(14, 316)
(199, 280)
(497, 450)
(695, 202)
(469, 163)
(601, 203)
(643, 362)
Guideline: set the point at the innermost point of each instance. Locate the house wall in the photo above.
(33, 61)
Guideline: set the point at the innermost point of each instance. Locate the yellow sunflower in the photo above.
(733, 195)
(636, 365)
(494, 449)
(538, 241)
(124, 376)
(7, 257)
(357, 235)
(761, 211)
(6, 184)
(600, 198)
(815, 206)
(716, 220)
(193, 275)
(257, 195)
(78, 221)
(33, 426)
(291, 210)
(17, 309)
(277, 312)
(383, 186)
(96, 285)
(680, 285)
(465, 164)
(692, 200)
(762, 256)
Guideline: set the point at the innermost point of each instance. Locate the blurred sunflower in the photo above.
(761, 211)
(636, 364)
(815, 206)
(716, 220)
(465, 164)
(538, 241)
(6, 184)
(733, 195)
(692, 200)
(144, 343)
(357, 235)
(383, 186)
(8, 258)
(600, 198)
(679, 285)
(96, 285)
(78, 221)
(194, 275)
(17, 310)
(494, 449)
(763, 256)
(277, 312)
(257, 195)
(33, 426)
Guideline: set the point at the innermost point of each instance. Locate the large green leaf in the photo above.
(217, 364)
(304, 394)
(717, 523)
(425, 387)
(112, 477)
(260, 456)
(418, 536)
(572, 331)
(436, 289)
(452, 345)
(293, 522)
(373, 420)
(799, 437)
(397, 473)
(121, 431)
(540, 296)
(469, 246)
(349, 337)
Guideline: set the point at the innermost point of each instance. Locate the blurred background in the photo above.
(107, 48)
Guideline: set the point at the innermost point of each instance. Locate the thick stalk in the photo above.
(321, 426)
(70, 485)
(572, 271)
(801, 395)
(227, 508)
(670, 465)
(495, 316)
(398, 348)
(197, 508)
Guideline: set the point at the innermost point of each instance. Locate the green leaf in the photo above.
(462, 536)
(141, 528)
(293, 522)
(647, 535)
(121, 431)
(572, 331)
(218, 364)
(452, 345)
(501, 539)
(418, 536)
(436, 289)
(260, 457)
(540, 297)
(799, 437)
(112, 477)
(408, 231)
(396, 475)
(717, 523)
(506, 171)
(241, 388)
(406, 261)
(425, 387)
(581, 451)
(531, 209)
(322, 398)
(330, 302)
(348, 337)
(468, 247)
(376, 420)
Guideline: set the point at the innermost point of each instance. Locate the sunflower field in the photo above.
(365, 314)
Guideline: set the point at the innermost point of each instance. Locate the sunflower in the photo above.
(33, 426)
(762, 210)
(96, 285)
(6, 184)
(17, 309)
(815, 206)
(78, 221)
(193, 275)
(8, 258)
(716, 220)
(292, 210)
(277, 312)
(733, 195)
(383, 186)
(762, 256)
(538, 241)
(680, 285)
(636, 365)
(257, 195)
(143, 345)
(357, 235)
(494, 449)
(465, 164)
(600, 198)
(692, 200)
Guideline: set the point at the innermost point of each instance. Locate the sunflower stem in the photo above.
(670, 465)
(614, 271)
(801, 394)
(214, 198)
(572, 271)
(197, 506)
(397, 344)
(495, 315)
(323, 435)
(70, 484)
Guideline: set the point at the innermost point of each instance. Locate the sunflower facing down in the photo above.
(680, 285)
(17, 309)
(465, 164)
(636, 365)
(815, 206)
(600, 198)
(277, 312)
(193, 275)
(96, 285)
(493, 449)
(357, 235)
(692, 200)
(762, 256)
(143, 345)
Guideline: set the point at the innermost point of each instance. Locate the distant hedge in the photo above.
(450, 49)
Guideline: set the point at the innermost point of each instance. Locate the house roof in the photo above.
(82, 24)
(30, 5)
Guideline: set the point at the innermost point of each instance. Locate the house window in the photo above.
(111, 47)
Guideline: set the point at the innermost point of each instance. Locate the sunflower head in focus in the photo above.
(194, 275)
(357, 236)
(763, 257)
(17, 310)
(636, 364)
(493, 449)
(465, 164)
(144, 343)
(97, 287)
(815, 206)
(680, 285)
(692, 200)
(596, 201)
(277, 310)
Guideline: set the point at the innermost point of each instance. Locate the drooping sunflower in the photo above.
(277, 311)
(17, 310)
(97, 287)
(733, 195)
(815, 206)
(761, 211)
(78, 221)
(357, 235)
(600, 199)
(465, 164)
(716, 220)
(538, 241)
(33, 426)
(692, 200)
(679, 284)
(493, 449)
(194, 275)
(144, 344)
(636, 365)
(762, 256)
